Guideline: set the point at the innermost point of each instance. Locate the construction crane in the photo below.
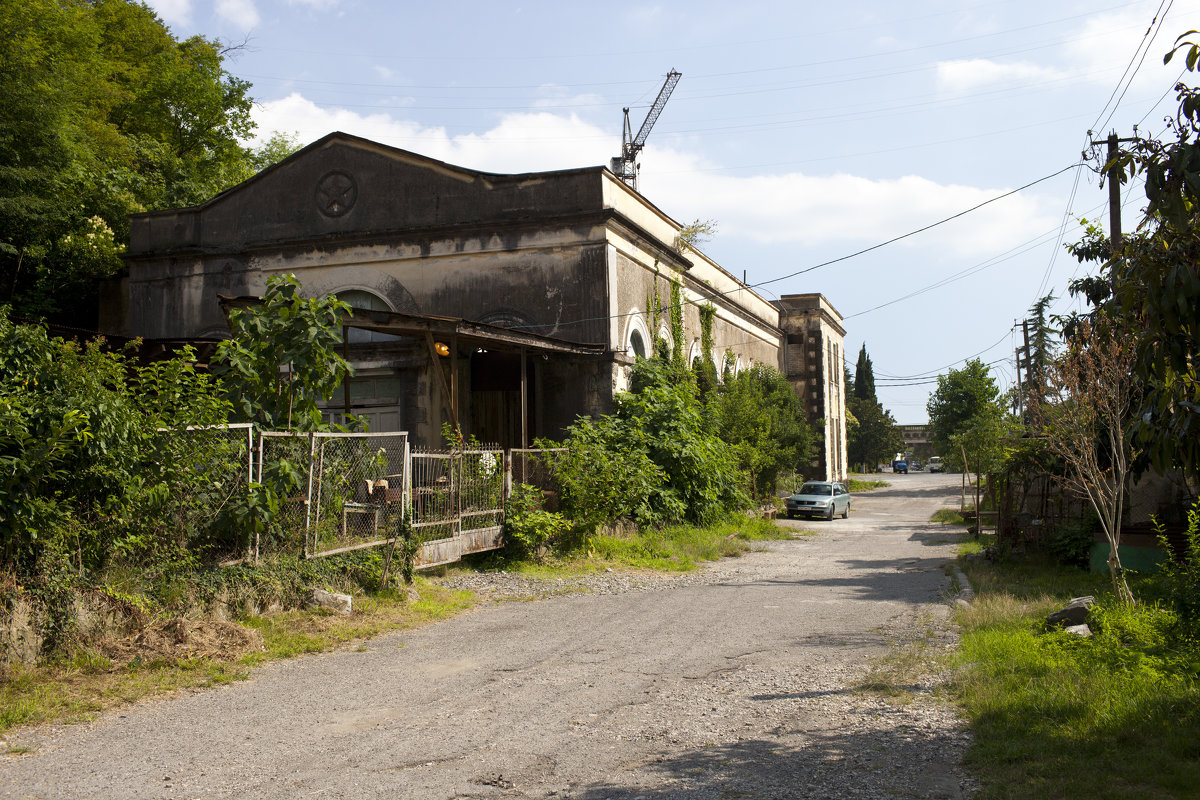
(625, 166)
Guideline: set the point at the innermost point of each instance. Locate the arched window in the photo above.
(359, 298)
(637, 345)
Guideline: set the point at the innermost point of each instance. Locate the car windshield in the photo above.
(816, 488)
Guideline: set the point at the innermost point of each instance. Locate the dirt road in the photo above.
(736, 682)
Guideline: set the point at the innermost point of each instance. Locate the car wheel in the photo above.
(829, 514)
(846, 513)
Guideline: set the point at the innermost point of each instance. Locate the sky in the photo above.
(913, 162)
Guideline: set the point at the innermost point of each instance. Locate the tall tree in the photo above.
(1098, 391)
(760, 417)
(864, 376)
(1156, 276)
(960, 396)
(875, 437)
(105, 114)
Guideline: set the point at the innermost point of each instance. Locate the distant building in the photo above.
(916, 440)
(813, 355)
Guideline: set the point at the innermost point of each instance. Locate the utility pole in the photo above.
(1114, 205)
(1113, 174)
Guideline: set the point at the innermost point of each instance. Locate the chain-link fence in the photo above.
(336, 491)
(207, 472)
(241, 493)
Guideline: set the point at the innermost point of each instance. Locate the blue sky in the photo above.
(808, 132)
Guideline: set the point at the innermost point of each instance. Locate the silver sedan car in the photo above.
(819, 499)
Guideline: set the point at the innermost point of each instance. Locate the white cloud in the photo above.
(173, 12)
(241, 13)
(842, 210)
(970, 74)
(525, 142)
(318, 4)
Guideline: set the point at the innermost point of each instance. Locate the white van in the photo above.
(934, 464)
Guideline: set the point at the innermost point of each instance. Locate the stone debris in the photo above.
(338, 603)
(1076, 613)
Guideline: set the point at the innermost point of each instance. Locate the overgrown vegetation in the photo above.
(1056, 715)
(106, 114)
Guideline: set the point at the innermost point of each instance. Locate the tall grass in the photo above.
(1056, 715)
(682, 547)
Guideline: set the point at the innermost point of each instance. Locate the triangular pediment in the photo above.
(343, 185)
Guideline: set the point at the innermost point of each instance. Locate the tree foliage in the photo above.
(759, 416)
(105, 114)
(874, 437)
(1156, 275)
(1097, 391)
(960, 396)
(864, 376)
(654, 460)
(282, 359)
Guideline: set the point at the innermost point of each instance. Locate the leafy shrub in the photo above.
(528, 528)
(1072, 544)
(1180, 575)
(654, 461)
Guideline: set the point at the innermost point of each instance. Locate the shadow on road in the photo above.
(827, 764)
(879, 579)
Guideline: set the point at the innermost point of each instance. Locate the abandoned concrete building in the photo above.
(812, 357)
(507, 304)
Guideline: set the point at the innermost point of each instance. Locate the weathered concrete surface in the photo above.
(734, 682)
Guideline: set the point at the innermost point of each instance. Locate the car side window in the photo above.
(841, 489)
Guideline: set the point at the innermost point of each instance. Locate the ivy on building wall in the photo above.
(676, 311)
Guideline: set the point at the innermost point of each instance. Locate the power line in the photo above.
(1148, 42)
(919, 230)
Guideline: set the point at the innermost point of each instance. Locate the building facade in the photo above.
(546, 286)
(813, 355)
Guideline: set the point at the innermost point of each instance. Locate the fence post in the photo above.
(508, 476)
(312, 448)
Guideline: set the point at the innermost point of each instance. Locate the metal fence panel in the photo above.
(457, 503)
(339, 491)
(360, 491)
(207, 472)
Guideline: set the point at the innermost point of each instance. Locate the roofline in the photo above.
(496, 177)
(399, 323)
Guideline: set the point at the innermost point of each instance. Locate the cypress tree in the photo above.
(864, 376)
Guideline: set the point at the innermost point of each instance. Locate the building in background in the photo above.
(813, 354)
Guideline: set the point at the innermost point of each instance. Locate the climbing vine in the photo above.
(677, 323)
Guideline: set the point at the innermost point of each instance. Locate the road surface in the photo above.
(738, 681)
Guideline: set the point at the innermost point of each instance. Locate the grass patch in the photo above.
(948, 516)
(1054, 715)
(861, 485)
(63, 694)
(292, 633)
(87, 684)
(681, 547)
(907, 667)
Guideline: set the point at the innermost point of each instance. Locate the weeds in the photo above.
(1055, 715)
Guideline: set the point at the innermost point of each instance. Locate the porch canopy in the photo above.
(443, 337)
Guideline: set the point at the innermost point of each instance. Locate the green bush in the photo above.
(1072, 544)
(529, 528)
(1180, 576)
(654, 461)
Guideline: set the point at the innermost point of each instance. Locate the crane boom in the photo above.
(625, 165)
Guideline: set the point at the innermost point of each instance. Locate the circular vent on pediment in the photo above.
(336, 193)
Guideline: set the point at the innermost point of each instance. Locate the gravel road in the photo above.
(734, 681)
